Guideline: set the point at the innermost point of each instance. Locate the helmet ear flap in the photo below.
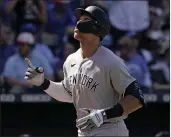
(99, 29)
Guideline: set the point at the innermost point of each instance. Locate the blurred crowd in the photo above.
(42, 30)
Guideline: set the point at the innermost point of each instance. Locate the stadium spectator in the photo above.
(166, 8)
(16, 66)
(75, 4)
(3, 15)
(136, 64)
(69, 49)
(107, 41)
(157, 33)
(156, 22)
(126, 16)
(162, 5)
(40, 48)
(61, 20)
(161, 71)
(6, 50)
(26, 11)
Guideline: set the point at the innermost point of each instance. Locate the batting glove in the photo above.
(34, 76)
(95, 119)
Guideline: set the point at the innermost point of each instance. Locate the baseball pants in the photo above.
(112, 129)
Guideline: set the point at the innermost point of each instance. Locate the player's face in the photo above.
(83, 36)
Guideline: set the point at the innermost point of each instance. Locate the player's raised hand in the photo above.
(34, 76)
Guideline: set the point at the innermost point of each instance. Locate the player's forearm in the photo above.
(133, 100)
(126, 106)
(56, 90)
(130, 104)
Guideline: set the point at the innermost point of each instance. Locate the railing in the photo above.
(42, 98)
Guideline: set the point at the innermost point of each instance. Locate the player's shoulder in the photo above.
(109, 59)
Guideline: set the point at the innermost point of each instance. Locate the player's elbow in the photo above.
(135, 91)
(139, 104)
(130, 104)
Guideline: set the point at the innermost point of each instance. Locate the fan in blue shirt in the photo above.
(15, 67)
(137, 66)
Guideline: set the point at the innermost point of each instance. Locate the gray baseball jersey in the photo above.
(97, 82)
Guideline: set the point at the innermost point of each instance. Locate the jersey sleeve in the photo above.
(65, 81)
(120, 78)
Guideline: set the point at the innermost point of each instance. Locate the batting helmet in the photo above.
(99, 25)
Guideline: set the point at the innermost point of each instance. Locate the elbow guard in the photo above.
(135, 90)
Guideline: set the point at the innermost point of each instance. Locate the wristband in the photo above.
(104, 115)
(45, 84)
(115, 111)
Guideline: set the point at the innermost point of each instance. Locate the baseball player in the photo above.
(96, 81)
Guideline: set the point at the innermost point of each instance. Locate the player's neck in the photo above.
(88, 49)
